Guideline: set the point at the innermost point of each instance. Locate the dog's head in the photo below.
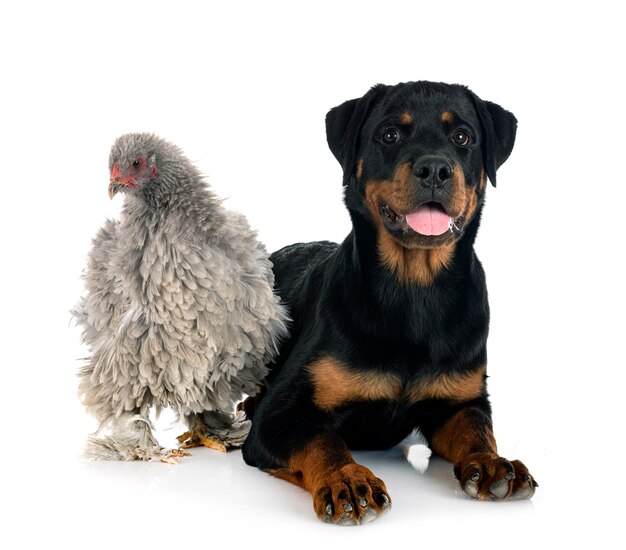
(416, 157)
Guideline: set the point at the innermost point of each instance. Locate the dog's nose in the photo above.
(433, 171)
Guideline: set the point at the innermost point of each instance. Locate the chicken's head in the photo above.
(133, 163)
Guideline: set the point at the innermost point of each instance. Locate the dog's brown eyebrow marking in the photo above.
(406, 118)
(447, 116)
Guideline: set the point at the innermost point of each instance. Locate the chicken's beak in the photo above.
(113, 189)
(118, 181)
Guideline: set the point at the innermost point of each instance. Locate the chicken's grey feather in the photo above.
(132, 439)
(179, 309)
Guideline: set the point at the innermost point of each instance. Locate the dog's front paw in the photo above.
(350, 495)
(487, 476)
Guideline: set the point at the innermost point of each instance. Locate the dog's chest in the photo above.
(336, 384)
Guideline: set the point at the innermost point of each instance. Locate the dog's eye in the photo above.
(391, 135)
(460, 137)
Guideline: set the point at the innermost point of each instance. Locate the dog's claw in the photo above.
(527, 491)
(386, 503)
(369, 514)
(531, 480)
(471, 488)
(346, 519)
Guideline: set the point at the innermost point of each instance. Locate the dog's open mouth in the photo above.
(429, 218)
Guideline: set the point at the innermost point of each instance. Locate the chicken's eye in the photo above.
(137, 166)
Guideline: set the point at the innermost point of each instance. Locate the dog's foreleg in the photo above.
(466, 439)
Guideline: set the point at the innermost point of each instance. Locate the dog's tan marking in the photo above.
(447, 116)
(472, 204)
(325, 467)
(482, 181)
(411, 265)
(406, 118)
(469, 194)
(459, 195)
(398, 192)
(359, 169)
(468, 431)
(307, 466)
(464, 198)
(334, 384)
(452, 387)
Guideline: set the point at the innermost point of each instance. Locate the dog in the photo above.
(389, 328)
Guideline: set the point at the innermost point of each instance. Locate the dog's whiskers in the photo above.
(452, 226)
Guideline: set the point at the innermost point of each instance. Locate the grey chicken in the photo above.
(179, 309)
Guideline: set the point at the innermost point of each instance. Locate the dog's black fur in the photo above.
(390, 327)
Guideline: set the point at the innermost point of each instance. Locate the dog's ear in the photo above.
(343, 128)
(498, 127)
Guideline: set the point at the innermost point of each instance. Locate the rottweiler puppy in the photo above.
(390, 327)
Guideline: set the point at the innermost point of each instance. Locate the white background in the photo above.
(243, 88)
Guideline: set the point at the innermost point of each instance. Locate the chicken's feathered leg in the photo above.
(216, 430)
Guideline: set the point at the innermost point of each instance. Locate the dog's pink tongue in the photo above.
(427, 220)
